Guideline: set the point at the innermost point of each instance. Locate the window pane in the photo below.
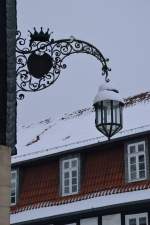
(140, 147)
(74, 181)
(66, 190)
(74, 163)
(132, 149)
(13, 186)
(141, 166)
(74, 173)
(142, 221)
(133, 176)
(66, 165)
(142, 174)
(13, 200)
(133, 167)
(132, 221)
(141, 158)
(13, 194)
(74, 188)
(13, 175)
(132, 160)
(66, 175)
(66, 182)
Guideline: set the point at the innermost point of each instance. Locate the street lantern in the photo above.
(108, 111)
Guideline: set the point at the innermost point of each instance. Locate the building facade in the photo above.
(67, 173)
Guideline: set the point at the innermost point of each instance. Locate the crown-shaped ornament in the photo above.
(39, 36)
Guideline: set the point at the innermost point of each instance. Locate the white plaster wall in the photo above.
(114, 219)
(89, 221)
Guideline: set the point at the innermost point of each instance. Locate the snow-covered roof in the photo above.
(78, 129)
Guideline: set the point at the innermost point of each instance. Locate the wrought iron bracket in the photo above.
(54, 52)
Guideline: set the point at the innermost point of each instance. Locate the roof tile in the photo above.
(103, 175)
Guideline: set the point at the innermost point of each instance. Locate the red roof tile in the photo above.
(102, 174)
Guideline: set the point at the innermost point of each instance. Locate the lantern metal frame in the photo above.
(101, 124)
(58, 51)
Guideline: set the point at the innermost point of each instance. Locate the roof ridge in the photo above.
(77, 113)
(142, 97)
(129, 101)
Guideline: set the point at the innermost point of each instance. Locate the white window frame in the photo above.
(15, 182)
(69, 170)
(136, 155)
(136, 216)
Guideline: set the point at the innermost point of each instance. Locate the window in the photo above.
(136, 161)
(13, 187)
(70, 176)
(137, 219)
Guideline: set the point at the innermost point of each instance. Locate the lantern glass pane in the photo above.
(107, 127)
(116, 113)
(106, 111)
(99, 115)
(114, 128)
(104, 115)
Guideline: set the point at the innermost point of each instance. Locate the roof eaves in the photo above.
(85, 147)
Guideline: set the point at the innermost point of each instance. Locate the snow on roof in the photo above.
(78, 129)
(97, 202)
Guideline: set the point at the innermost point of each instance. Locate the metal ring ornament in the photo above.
(53, 52)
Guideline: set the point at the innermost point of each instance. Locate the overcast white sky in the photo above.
(119, 28)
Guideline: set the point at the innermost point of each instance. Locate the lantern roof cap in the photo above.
(107, 92)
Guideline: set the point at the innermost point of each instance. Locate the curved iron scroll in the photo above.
(58, 50)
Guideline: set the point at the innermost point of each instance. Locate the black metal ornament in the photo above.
(39, 65)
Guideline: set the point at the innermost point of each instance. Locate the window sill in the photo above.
(70, 194)
(137, 180)
(12, 204)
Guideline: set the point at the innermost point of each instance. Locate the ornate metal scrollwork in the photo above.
(39, 65)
